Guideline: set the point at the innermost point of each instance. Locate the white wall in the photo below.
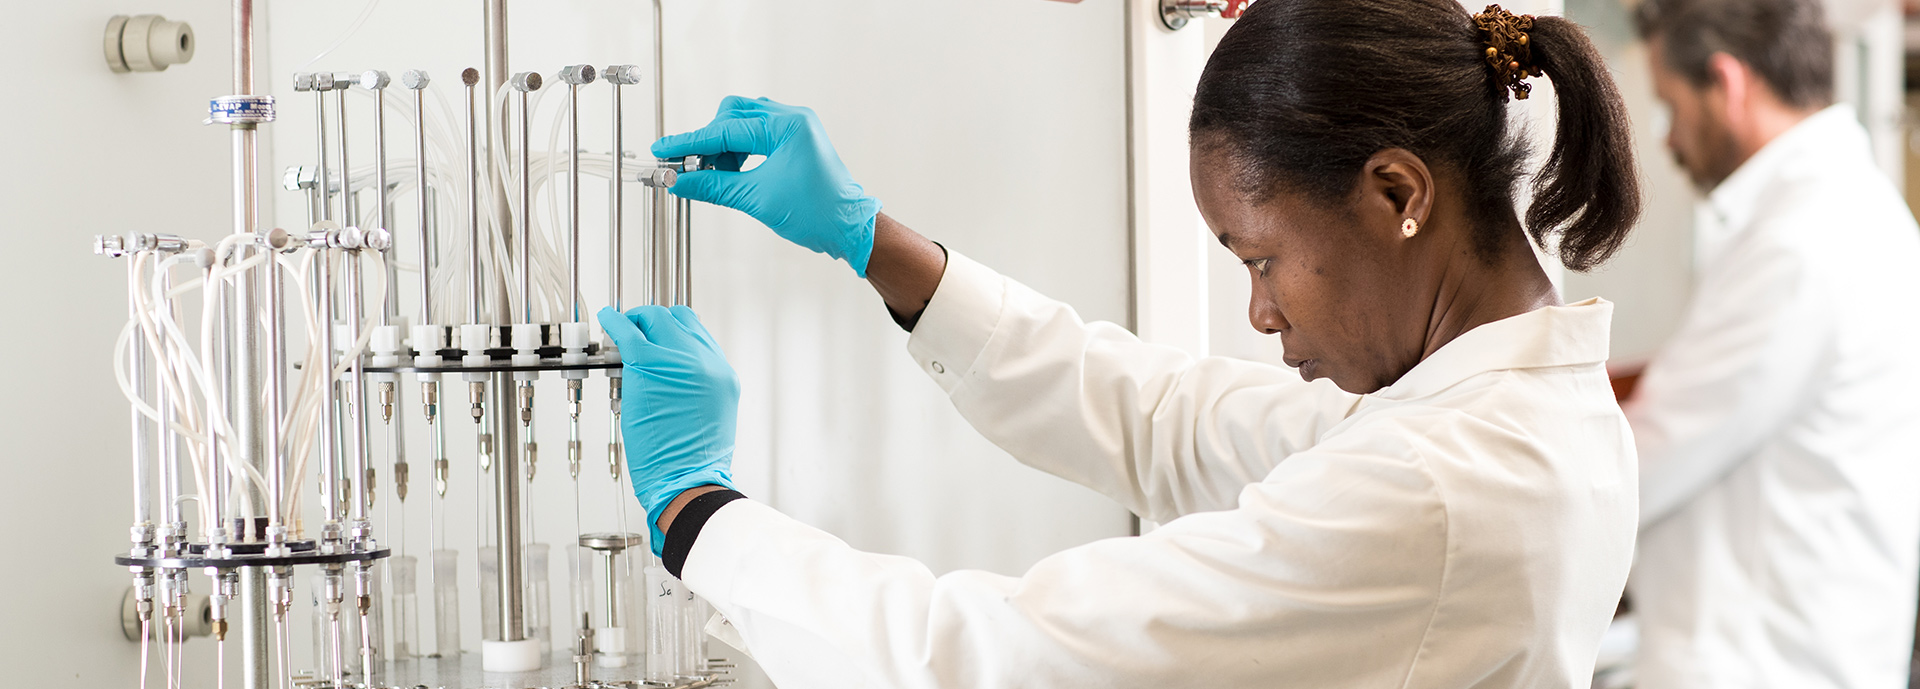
(86, 152)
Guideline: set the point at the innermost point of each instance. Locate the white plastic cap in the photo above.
(510, 656)
(526, 337)
(612, 642)
(575, 335)
(385, 340)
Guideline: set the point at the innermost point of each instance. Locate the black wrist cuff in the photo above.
(687, 525)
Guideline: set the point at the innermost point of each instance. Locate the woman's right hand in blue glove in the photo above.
(801, 191)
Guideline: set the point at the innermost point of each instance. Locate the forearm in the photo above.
(905, 269)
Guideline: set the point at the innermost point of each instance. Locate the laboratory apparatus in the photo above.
(268, 371)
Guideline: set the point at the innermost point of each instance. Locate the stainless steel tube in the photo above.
(276, 398)
(573, 192)
(506, 495)
(142, 427)
(474, 286)
(349, 211)
(329, 412)
(425, 211)
(683, 251)
(357, 395)
(616, 278)
(661, 252)
(391, 307)
(324, 181)
(524, 295)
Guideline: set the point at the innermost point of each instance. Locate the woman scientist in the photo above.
(1446, 499)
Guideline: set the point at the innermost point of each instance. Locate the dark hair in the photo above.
(1786, 42)
(1304, 92)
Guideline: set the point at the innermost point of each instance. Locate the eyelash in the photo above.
(1259, 265)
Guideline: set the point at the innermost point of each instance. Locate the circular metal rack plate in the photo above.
(252, 555)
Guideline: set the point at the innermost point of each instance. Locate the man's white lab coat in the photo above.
(1470, 525)
(1779, 432)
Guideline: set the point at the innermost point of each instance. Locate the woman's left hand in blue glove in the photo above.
(678, 407)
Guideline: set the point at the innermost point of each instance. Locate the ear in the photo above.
(1735, 83)
(1396, 185)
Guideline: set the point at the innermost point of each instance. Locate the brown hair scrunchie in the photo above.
(1509, 50)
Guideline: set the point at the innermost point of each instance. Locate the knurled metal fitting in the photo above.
(470, 76)
(302, 82)
(111, 245)
(657, 177)
(378, 239)
(344, 80)
(347, 238)
(526, 81)
(374, 80)
(415, 79)
(621, 75)
(578, 75)
(323, 81)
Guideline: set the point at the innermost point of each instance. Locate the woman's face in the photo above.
(1335, 280)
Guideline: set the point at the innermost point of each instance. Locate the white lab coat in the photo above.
(1469, 526)
(1779, 433)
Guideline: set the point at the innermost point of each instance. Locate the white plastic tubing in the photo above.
(187, 365)
(445, 152)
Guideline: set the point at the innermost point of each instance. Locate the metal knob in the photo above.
(415, 79)
(526, 81)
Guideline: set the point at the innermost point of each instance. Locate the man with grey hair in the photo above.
(1779, 431)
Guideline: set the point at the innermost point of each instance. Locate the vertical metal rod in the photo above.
(526, 210)
(276, 399)
(142, 427)
(217, 488)
(683, 252)
(330, 417)
(391, 307)
(573, 209)
(615, 276)
(496, 140)
(357, 396)
(472, 77)
(662, 215)
(420, 172)
(175, 522)
(662, 252)
(506, 474)
(324, 183)
(349, 211)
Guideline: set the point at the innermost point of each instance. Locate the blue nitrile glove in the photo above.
(678, 403)
(801, 190)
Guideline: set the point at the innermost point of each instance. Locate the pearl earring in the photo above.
(1410, 228)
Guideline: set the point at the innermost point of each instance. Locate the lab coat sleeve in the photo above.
(1324, 577)
(1147, 425)
(1750, 348)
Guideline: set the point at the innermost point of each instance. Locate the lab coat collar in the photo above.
(1823, 135)
(1568, 335)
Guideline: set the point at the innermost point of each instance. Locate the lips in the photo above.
(1309, 368)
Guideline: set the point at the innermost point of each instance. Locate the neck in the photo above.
(1475, 291)
(1768, 121)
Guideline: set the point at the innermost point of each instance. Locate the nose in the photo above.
(1264, 312)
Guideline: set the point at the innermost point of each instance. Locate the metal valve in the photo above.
(1175, 14)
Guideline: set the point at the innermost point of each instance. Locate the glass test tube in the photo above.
(406, 607)
(446, 603)
(539, 596)
(664, 595)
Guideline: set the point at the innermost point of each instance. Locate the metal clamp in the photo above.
(241, 110)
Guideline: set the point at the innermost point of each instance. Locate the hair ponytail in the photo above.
(1588, 192)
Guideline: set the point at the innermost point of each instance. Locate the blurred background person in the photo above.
(1779, 429)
